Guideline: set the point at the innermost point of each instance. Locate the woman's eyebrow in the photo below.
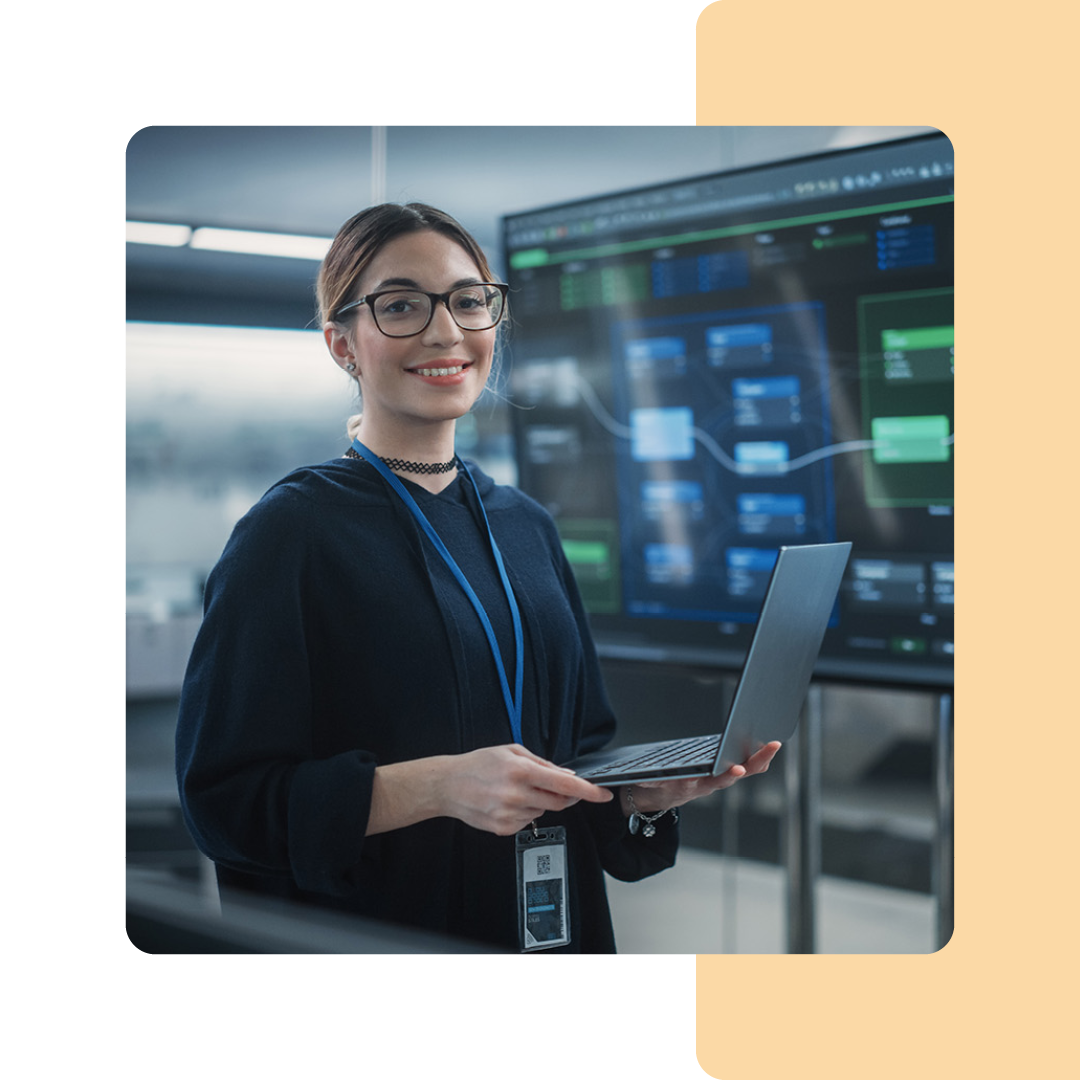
(408, 283)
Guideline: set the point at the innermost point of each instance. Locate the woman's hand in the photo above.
(498, 789)
(658, 795)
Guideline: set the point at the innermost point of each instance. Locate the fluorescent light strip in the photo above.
(151, 232)
(287, 245)
(242, 241)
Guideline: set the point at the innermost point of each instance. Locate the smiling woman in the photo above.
(394, 656)
(421, 358)
(386, 329)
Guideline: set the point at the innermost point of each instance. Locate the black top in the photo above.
(336, 639)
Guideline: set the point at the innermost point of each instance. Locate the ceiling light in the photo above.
(149, 232)
(261, 243)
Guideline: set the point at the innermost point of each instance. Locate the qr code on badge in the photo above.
(543, 864)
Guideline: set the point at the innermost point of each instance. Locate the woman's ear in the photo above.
(337, 341)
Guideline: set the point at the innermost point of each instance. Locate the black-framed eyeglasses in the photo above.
(407, 312)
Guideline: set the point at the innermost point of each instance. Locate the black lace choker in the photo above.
(421, 467)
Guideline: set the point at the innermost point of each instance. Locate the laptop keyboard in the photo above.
(681, 752)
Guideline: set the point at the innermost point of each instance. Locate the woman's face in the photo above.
(396, 375)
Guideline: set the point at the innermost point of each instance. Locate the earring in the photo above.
(350, 367)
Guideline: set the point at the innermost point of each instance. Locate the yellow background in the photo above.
(1000, 999)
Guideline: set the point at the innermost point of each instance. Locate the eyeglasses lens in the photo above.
(474, 307)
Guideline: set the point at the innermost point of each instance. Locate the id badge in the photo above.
(543, 917)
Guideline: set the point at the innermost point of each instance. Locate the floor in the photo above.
(711, 904)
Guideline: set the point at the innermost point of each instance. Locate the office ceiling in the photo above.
(309, 180)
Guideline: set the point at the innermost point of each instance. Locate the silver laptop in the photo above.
(774, 680)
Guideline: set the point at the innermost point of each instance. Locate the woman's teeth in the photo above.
(436, 371)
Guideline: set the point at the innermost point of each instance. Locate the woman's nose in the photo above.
(442, 330)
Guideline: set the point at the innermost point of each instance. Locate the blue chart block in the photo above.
(674, 277)
(700, 274)
(662, 434)
(729, 270)
(748, 570)
(772, 515)
(786, 386)
(661, 498)
(762, 457)
(739, 344)
(658, 356)
(897, 248)
(766, 401)
(669, 564)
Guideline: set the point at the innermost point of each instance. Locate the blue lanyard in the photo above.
(513, 701)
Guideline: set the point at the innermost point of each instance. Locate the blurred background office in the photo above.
(845, 846)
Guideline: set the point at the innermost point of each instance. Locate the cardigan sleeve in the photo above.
(253, 795)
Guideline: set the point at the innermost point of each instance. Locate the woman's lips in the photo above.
(443, 373)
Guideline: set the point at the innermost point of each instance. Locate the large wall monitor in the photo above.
(708, 369)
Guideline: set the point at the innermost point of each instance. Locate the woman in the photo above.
(356, 729)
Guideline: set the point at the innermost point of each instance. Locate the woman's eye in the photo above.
(398, 305)
(470, 301)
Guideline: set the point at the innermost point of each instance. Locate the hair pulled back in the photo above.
(364, 235)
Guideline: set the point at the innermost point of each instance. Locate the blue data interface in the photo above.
(723, 406)
(710, 369)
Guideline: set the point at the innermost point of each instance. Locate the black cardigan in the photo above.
(335, 640)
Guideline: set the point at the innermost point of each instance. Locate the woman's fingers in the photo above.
(502, 788)
(664, 794)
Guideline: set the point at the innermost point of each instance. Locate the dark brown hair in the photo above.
(364, 235)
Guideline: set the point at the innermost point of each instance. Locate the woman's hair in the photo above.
(363, 236)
